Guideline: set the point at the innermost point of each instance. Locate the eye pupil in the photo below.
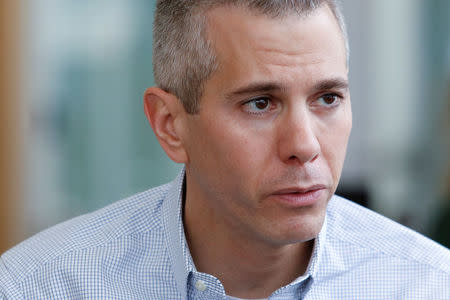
(329, 99)
(261, 103)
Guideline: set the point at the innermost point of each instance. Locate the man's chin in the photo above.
(299, 230)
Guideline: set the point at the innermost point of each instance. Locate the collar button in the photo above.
(200, 285)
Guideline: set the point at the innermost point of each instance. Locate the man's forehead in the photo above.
(290, 55)
(239, 28)
(232, 26)
(235, 33)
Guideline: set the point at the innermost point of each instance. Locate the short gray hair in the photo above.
(183, 58)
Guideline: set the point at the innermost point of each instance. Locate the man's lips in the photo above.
(299, 196)
(299, 190)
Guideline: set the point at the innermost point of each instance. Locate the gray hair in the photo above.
(183, 58)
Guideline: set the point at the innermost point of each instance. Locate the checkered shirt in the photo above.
(136, 249)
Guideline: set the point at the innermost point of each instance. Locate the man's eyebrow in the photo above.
(255, 87)
(271, 86)
(329, 84)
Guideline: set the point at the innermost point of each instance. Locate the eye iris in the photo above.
(261, 103)
(329, 99)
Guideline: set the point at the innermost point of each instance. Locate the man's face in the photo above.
(266, 149)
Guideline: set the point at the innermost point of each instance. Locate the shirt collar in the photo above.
(180, 257)
(319, 245)
(314, 263)
(172, 219)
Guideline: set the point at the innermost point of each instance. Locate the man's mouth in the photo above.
(300, 196)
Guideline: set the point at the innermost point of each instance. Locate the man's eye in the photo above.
(258, 105)
(329, 100)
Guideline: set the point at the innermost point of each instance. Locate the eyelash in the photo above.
(253, 101)
(338, 100)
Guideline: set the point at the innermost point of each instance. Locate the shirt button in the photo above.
(200, 285)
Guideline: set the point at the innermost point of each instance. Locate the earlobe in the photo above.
(163, 110)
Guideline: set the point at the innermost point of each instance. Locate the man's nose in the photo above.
(298, 141)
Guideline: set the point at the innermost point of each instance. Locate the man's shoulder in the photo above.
(130, 217)
(377, 236)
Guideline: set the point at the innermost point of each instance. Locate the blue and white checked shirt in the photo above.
(136, 249)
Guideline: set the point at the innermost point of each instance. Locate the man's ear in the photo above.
(164, 113)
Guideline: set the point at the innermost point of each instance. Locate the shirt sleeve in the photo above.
(9, 290)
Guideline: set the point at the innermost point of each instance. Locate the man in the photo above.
(253, 99)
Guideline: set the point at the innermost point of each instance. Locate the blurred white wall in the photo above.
(399, 87)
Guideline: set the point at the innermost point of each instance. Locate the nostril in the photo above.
(311, 159)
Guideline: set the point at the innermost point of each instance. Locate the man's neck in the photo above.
(247, 268)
